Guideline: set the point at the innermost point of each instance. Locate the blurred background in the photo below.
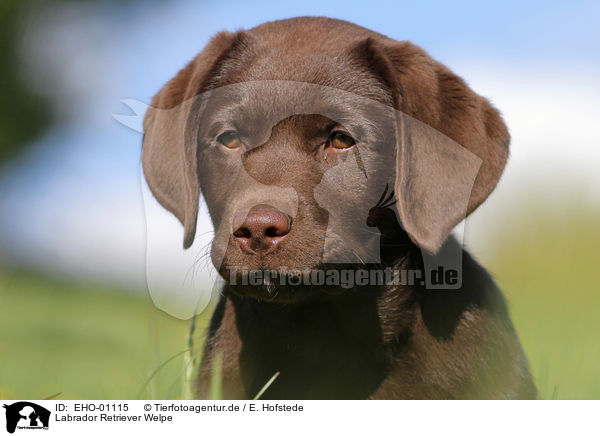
(76, 318)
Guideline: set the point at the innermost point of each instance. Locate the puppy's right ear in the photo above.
(169, 160)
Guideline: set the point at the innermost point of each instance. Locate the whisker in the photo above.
(382, 196)
(390, 204)
(390, 196)
(350, 248)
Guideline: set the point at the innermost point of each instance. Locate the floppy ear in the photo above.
(452, 145)
(169, 158)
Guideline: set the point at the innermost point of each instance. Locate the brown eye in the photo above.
(340, 140)
(229, 139)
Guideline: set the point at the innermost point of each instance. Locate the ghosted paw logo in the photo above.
(26, 415)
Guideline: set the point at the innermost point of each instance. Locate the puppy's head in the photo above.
(292, 131)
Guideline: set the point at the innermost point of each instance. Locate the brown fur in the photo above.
(392, 341)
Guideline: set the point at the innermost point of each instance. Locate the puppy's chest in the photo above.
(316, 356)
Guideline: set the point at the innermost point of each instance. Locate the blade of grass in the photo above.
(215, 391)
(156, 371)
(266, 386)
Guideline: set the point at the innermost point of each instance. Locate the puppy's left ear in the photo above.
(452, 145)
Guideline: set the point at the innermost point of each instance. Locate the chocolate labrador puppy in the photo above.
(335, 162)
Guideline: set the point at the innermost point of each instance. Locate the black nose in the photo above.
(261, 229)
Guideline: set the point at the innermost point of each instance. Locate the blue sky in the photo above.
(74, 203)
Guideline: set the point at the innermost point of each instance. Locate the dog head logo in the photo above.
(26, 415)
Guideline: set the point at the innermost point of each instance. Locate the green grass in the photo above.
(85, 342)
(547, 263)
(90, 342)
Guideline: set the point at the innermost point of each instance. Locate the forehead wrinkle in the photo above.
(338, 71)
(334, 67)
